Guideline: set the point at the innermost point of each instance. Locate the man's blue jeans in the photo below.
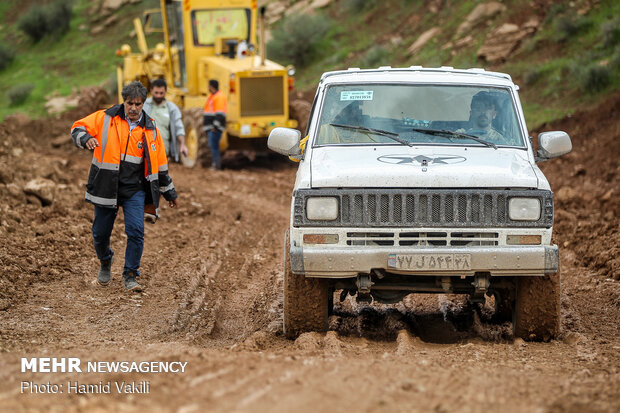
(214, 143)
(133, 210)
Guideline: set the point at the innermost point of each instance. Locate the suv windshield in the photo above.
(418, 115)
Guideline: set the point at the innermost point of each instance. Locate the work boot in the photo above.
(131, 284)
(105, 272)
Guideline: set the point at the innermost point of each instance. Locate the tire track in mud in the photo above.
(232, 284)
(192, 313)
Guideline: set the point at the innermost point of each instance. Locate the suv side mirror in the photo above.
(553, 144)
(284, 141)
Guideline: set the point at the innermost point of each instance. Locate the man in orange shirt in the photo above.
(129, 169)
(215, 121)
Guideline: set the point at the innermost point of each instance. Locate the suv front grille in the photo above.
(435, 239)
(423, 208)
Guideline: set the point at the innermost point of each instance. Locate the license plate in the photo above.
(435, 262)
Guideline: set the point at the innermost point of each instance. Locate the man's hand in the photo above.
(182, 146)
(173, 203)
(91, 143)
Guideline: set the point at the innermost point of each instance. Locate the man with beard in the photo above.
(129, 169)
(482, 113)
(167, 117)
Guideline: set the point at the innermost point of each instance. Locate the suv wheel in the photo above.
(537, 307)
(305, 300)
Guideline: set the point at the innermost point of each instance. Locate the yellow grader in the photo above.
(213, 39)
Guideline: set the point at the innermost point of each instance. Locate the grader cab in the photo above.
(213, 39)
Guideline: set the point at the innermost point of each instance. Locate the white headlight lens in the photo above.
(524, 209)
(322, 208)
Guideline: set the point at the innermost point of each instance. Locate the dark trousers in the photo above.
(214, 143)
(133, 211)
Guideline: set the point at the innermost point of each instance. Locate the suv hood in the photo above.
(438, 167)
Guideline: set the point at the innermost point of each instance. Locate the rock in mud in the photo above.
(16, 192)
(332, 343)
(256, 342)
(309, 341)
(61, 140)
(567, 194)
(44, 189)
(6, 177)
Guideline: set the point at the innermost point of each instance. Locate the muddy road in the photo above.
(213, 276)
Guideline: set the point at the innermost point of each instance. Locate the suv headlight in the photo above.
(322, 208)
(524, 209)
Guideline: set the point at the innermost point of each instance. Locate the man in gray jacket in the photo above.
(167, 119)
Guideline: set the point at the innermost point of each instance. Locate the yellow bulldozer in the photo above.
(213, 39)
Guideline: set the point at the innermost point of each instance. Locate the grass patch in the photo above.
(6, 55)
(5, 6)
(537, 115)
(295, 39)
(610, 33)
(594, 78)
(19, 94)
(377, 55)
(50, 19)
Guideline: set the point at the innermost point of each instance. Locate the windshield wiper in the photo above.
(391, 135)
(450, 134)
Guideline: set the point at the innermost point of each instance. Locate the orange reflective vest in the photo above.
(119, 149)
(215, 111)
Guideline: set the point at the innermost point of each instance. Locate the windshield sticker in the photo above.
(356, 95)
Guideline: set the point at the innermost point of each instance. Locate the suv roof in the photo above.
(473, 74)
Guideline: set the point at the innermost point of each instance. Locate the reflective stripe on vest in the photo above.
(100, 201)
(104, 136)
(106, 165)
(132, 159)
(163, 189)
(76, 134)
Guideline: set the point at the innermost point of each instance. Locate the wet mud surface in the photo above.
(213, 274)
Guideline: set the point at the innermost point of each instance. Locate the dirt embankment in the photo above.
(213, 276)
(587, 190)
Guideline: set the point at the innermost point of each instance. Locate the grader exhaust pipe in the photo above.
(263, 52)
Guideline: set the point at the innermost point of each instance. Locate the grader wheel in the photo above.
(198, 152)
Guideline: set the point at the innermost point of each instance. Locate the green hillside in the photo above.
(571, 60)
(567, 56)
(61, 63)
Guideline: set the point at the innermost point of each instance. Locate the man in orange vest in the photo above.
(129, 169)
(215, 121)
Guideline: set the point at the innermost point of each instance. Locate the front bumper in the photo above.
(343, 262)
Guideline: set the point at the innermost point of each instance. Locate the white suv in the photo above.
(420, 180)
